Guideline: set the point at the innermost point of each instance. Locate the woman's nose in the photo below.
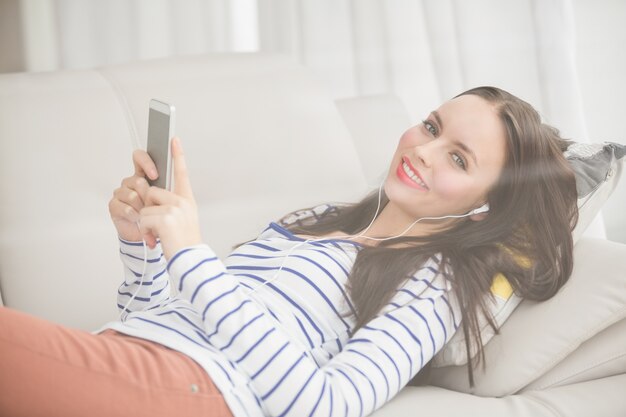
(423, 153)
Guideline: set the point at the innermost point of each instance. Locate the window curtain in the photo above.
(76, 34)
(423, 51)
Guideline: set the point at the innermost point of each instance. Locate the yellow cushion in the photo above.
(501, 287)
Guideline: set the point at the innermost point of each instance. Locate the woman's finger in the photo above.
(156, 196)
(138, 184)
(144, 166)
(129, 197)
(176, 226)
(121, 210)
(182, 186)
(151, 220)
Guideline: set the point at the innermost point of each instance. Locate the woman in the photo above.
(330, 312)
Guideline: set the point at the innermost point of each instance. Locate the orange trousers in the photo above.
(50, 370)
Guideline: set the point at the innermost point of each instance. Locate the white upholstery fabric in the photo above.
(598, 398)
(602, 355)
(375, 141)
(62, 136)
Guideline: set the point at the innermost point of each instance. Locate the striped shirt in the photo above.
(280, 345)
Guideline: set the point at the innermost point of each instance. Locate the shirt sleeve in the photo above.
(375, 364)
(149, 291)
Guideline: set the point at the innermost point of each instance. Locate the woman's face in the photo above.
(453, 158)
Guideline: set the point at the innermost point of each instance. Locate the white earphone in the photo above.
(482, 209)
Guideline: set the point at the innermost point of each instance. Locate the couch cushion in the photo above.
(603, 355)
(598, 168)
(598, 398)
(376, 122)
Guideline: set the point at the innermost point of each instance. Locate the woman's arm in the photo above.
(149, 291)
(375, 364)
(142, 289)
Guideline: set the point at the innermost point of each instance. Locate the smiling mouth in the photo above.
(409, 174)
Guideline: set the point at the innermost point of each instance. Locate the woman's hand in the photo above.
(129, 198)
(172, 216)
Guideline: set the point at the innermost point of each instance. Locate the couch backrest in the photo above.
(261, 135)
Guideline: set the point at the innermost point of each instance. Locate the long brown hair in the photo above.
(532, 213)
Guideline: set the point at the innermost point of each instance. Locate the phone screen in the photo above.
(160, 131)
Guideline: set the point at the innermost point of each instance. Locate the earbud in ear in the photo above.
(482, 209)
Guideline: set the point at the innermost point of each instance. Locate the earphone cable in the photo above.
(123, 316)
(351, 237)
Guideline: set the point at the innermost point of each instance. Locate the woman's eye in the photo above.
(459, 161)
(432, 129)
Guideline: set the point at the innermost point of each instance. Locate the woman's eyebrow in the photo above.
(461, 145)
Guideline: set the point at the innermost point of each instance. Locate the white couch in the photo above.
(262, 138)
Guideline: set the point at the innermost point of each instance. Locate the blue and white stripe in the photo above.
(284, 349)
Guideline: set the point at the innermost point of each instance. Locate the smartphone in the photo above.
(160, 134)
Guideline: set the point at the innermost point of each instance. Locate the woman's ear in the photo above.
(478, 217)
